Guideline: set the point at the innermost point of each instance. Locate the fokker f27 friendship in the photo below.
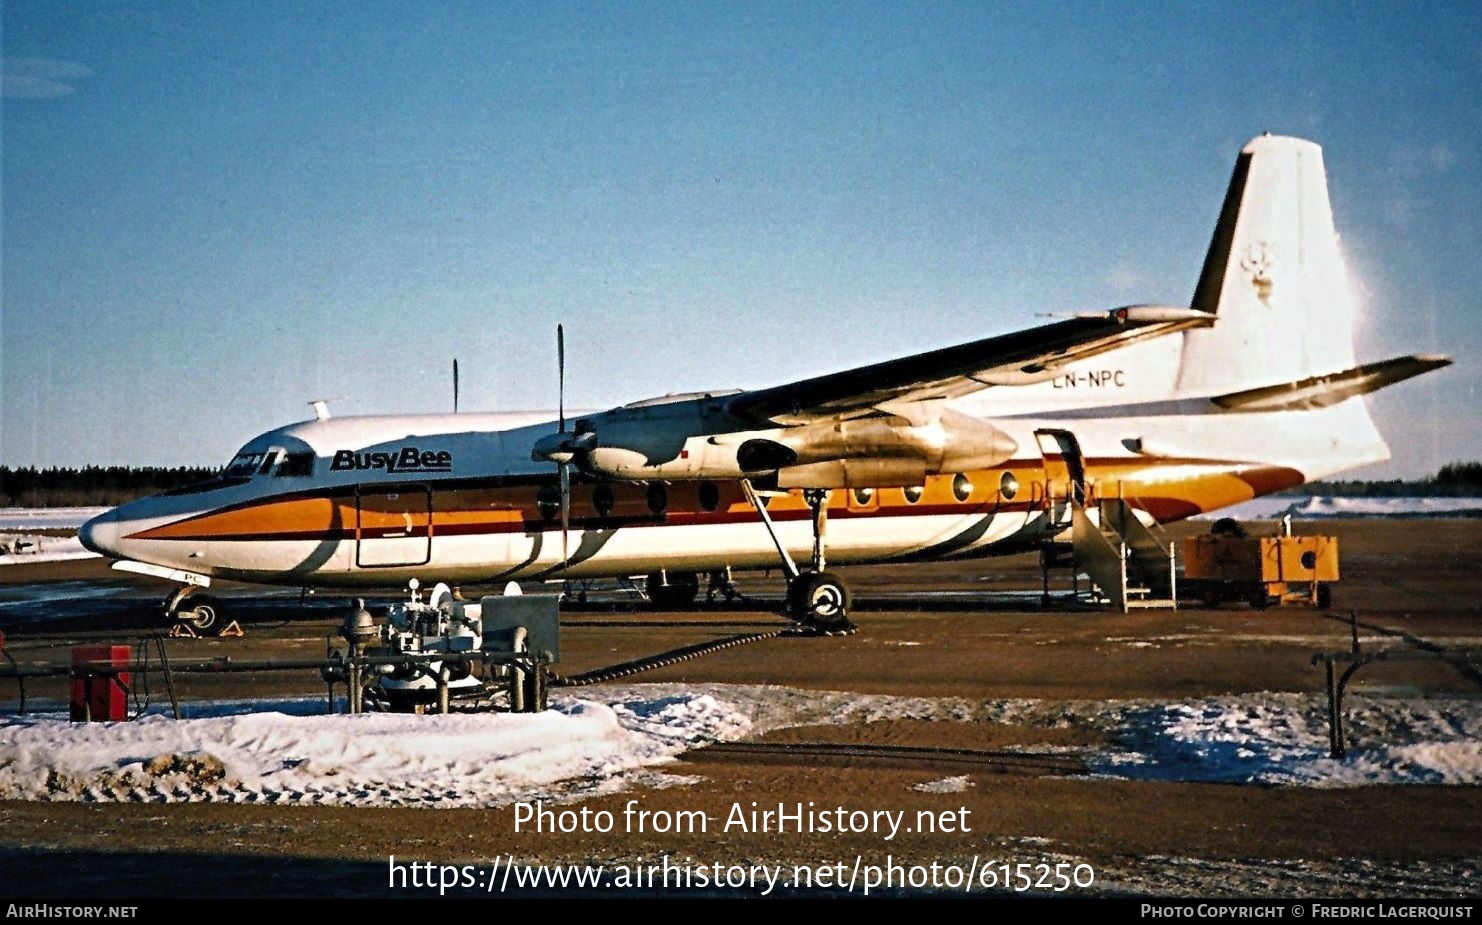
(972, 450)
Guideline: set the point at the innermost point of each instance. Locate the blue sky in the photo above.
(214, 212)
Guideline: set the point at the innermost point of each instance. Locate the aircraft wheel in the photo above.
(820, 598)
(1324, 596)
(201, 612)
(1259, 599)
(680, 591)
(536, 692)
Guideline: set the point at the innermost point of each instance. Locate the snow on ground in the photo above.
(18, 523)
(958, 784)
(1283, 739)
(580, 748)
(1331, 508)
(46, 518)
(614, 738)
(1321, 508)
(42, 549)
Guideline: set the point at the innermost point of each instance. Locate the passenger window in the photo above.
(658, 497)
(548, 501)
(912, 493)
(962, 487)
(709, 496)
(602, 500)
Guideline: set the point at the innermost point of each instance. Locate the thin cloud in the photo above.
(1404, 211)
(1123, 279)
(1420, 160)
(40, 78)
(1442, 157)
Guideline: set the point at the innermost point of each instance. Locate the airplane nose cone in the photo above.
(101, 534)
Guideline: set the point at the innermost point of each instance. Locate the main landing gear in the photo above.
(672, 590)
(815, 597)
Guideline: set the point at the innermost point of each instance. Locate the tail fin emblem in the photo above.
(1257, 263)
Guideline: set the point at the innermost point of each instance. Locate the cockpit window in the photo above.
(298, 465)
(243, 465)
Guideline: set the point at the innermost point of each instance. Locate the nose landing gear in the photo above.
(201, 612)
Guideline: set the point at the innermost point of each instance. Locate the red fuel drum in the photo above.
(100, 696)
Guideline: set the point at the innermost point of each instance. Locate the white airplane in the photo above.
(973, 450)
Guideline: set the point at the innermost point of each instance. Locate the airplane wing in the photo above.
(1021, 358)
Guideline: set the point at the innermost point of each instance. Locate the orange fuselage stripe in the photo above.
(413, 509)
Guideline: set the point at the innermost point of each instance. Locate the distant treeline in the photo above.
(112, 485)
(92, 485)
(1454, 480)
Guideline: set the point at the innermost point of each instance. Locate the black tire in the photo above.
(201, 611)
(1324, 596)
(1227, 526)
(535, 693)
(820, 598)
(680, 591)
(1259, 599)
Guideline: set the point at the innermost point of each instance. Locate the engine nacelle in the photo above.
(671, 444)
(665, 438)
(697, 458)
(950, 442)
(868, 472)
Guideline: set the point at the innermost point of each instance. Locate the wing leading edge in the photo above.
(1020, 358)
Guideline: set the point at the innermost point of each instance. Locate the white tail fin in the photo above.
(1273, 278)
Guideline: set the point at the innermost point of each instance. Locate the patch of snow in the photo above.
(622, 736)
(1330, 508)
(44, 549)
(1272, 507)
(1132, 642)
(580, 747)
(958, 784)
(1283, 739)
(46, 518)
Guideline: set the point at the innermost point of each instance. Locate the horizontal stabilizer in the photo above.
(1322, 391)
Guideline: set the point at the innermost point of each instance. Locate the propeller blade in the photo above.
(561, 376)
(565, 512)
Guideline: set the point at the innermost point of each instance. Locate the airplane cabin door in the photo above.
(393, 526)
(1065, 471)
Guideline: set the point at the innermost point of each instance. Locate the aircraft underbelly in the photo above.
(640, 549)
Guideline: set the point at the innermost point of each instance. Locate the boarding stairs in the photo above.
(1128, 562)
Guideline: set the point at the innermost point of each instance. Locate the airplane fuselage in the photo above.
(448, 497)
